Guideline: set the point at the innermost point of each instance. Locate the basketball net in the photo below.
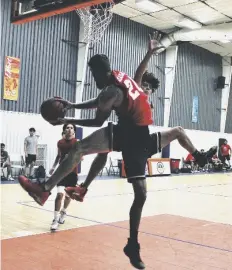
(95, 20)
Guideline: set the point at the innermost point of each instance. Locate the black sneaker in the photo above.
(131, 250)
(203, 157)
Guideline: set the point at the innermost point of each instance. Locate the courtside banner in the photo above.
(11, 78)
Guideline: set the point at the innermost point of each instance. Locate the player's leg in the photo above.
(228, 160)
(97, 165)
(9, 171)
(135, 154)
(98, 142)
(70, 181)
(27, 165)
(178, 133)
(79, 192)
(136, 176)
(58, 202)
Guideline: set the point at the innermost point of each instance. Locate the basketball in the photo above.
(52, 109)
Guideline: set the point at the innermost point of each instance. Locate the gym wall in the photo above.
(196, 72)
(45, 59)
(228, 128)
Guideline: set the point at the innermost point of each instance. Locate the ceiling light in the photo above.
(147, 5)
(187, 23)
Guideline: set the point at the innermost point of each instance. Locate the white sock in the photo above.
(56, 214)
(63, 210)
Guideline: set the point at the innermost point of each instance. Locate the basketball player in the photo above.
(130, 136)
(64, 146)
(225, 153)
(149, 83)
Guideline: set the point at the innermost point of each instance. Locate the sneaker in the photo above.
(62, 217)
(76, 193)
(132, 251)
(10, 178)
(202, 158)
(54, 225)
(35, 190)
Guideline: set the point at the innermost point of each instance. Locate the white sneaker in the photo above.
(62, 217)
(10, 178)
(54, 225)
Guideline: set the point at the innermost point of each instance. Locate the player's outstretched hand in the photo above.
(154, 45)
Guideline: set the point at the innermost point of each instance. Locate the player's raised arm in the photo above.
(153, 45)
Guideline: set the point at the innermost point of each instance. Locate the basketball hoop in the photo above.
(95, 20)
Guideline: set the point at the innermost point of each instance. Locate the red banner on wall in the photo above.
(11, 78)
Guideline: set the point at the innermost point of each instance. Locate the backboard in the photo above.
(23, 11)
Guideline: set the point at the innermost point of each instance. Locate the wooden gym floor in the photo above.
(186, 225)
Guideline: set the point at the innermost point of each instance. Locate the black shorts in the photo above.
(69, 181)
(30, 159)
(136, 145)
(224, 158)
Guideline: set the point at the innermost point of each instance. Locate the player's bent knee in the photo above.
(59, 196)
(140, 190)
(177, 131)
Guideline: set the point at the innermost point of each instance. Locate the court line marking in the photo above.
(146, 233)
(185, 188)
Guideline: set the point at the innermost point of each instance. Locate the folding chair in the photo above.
(17, 163)
(114, 168)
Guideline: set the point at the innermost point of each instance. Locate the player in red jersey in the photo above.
(225, 152)
(130, 136)
(64, 146)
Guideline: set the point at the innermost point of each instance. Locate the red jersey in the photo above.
(64, 147)
(137, 108)
(225, 149)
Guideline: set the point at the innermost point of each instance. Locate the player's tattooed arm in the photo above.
(109, 98)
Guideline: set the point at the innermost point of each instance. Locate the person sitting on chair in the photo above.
(5, 162)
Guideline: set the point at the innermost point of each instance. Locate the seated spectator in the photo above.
(5, 162)
(215, 158)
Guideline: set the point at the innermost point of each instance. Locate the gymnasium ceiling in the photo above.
(166, 18)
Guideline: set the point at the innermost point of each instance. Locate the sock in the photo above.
(134, 235)
(56, 214)
(63, 210)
